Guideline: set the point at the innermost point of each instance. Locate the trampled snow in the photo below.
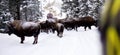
(72, 43)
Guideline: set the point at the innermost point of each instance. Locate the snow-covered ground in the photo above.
(72, 43)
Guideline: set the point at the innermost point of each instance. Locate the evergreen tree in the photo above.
(4, 12)
(24, 9)
(19, 10)
(14, 7)
(30, 10)
(81, 8)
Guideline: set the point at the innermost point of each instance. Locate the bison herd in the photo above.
(85, 22)
(31, 28)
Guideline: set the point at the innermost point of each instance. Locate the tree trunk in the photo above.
(14, 7)
(18, 10)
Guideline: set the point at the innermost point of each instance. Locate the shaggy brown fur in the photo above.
(16, 27)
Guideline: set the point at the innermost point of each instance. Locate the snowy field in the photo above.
(72, 43)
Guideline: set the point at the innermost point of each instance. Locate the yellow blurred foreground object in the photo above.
(110, 27)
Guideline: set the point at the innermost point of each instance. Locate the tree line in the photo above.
(82, 8)
(19, 10)
(30, 9)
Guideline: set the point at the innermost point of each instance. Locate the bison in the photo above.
(44, 27)
(55, 26)
(86, 22)
(24, 28)
(69, 23)
(74, 23)
(59, 27)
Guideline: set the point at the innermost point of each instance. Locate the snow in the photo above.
(29, 24)
(72, 43)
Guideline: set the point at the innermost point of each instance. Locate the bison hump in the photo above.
(27, 25)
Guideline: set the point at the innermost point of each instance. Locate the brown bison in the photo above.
(55, 26)
(69, 23)
(87, 22)
(74, 23)
(24, 28)
(59, 27)
(44, 27)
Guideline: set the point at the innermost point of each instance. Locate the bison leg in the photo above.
(53, 30)
(35, 39)
(89, 27)
(61, 34)
(22, 39)
(76, 28)
(58, 33)
(46, 30)
(85, 28)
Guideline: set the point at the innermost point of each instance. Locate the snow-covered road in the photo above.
(72, 43)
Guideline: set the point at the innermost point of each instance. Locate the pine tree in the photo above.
(4, 12)
(24, 9)
(14, 7)
(81, 8)
(30, 10)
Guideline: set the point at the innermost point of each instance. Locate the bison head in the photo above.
(9, 28)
